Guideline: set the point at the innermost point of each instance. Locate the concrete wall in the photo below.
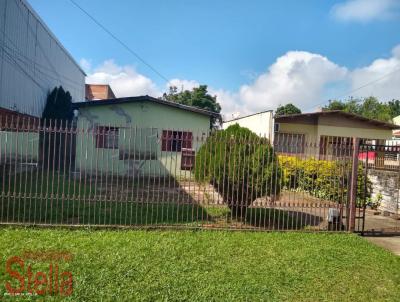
(141, 125)
(260, 123)
(32, 61)
(19, 146)
(386, 183)
(310, 131)
(354, 132)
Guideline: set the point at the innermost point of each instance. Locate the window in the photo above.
(330, 146)
(174, 141)
(290, 143)
(107, 137)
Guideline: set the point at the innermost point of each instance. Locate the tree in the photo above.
(197, 97)
(287, 109)
(394, 107)
(58, 105)
(335, 105)
(56, 114)
(369, 107)
(240, 165)
(372, 108)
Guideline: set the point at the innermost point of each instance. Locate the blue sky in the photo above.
(253, 54)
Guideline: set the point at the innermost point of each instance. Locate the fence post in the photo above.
(353, 186)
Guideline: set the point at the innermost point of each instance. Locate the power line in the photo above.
(361, 87)
(13, 61)
(120, 41)
(32, 64)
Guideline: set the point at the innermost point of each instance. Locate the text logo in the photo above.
(29, 281)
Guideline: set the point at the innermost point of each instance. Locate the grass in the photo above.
(74, 212)
(38, 197)
(211, 266)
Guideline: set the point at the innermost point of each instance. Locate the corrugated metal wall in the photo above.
(32, 61)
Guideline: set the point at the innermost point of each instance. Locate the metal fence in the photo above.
(58, 173)
(384, 156)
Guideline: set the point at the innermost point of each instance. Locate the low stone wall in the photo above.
(386, 183)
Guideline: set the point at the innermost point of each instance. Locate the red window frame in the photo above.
(175, 141)
(106, 137)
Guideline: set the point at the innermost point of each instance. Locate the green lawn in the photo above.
(212, 265)
(38, 198)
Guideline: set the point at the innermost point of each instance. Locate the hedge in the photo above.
(325, 179)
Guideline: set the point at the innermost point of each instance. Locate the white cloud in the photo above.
(382, 77)
(365, 10)
(124, 80)
(228, 100)
(230, 103)
(297, 77)
(85, 64)
(300, 77)
(182, 84)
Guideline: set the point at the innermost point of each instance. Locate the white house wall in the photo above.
(32, 61)
(260, 123)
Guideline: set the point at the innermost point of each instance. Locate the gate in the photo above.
(378, 210)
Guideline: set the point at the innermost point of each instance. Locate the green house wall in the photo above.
(139, 142)
(19, 146)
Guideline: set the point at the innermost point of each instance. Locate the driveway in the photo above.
(389, 243)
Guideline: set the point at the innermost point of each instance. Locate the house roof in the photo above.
(380, 124)
(144, 98)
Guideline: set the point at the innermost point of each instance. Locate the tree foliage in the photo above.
(287, 109)
(197, 97)
(394, 107)
(369, 107)
(57, 113)
(58, 105)
(241, 165)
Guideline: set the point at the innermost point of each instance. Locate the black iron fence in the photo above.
(58, 173)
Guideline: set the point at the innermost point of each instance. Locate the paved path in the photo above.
(390, 243)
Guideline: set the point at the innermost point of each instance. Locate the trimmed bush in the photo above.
(241, 165)
(326, 179)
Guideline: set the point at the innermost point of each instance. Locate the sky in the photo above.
(253, 55)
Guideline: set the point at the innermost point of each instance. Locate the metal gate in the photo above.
(378, 209)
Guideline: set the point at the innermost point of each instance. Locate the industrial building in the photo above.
(32, 62)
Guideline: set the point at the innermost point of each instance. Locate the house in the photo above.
(138, 136)
(98, 92)
(316, 133)
(326, 130)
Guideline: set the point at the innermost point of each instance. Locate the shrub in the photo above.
(327, 179)
(241, 165)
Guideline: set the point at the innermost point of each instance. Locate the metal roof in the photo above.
(36, 15)
(144, 98)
